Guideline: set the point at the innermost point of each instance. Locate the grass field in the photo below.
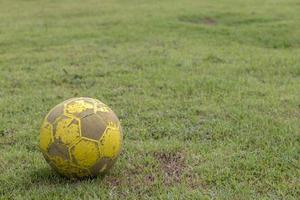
(208, 93)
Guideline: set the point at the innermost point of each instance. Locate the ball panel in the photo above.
(78, 108)
(110, 142)
(67, 130)
(59, 150)
(106, 114)
(46, 136)
(92, 127)
(56, 112)
(108, 117)
(102, 166)
(85, 153)
(101, 107)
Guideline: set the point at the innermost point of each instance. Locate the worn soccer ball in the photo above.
(81, 137)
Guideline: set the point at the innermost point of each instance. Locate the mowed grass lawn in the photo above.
(208, 93)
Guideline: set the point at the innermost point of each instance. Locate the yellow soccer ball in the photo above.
(81, 137)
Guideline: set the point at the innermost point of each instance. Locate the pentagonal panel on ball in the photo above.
(92, 127)
(58, 149)
(67, 130)
(85, 153)
(55, 113)
(79, 108)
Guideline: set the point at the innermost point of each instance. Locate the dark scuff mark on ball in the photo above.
(59, 149)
